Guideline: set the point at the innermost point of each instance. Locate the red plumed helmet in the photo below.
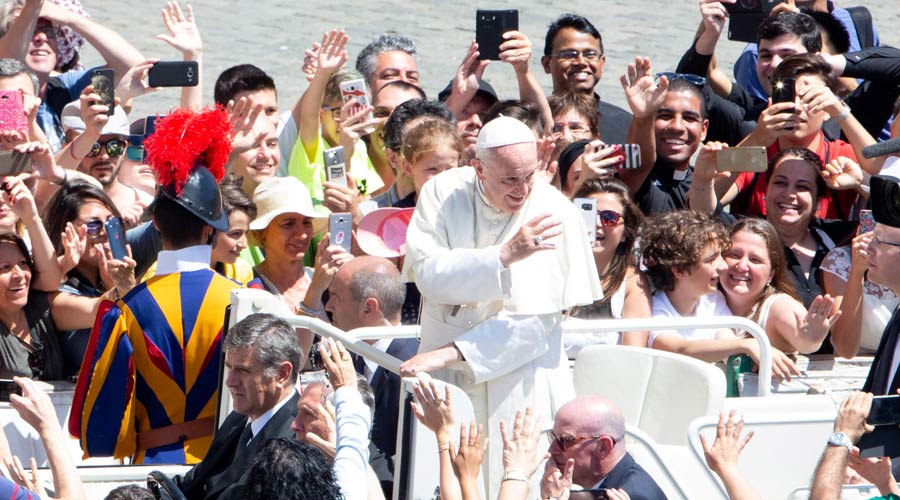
(185, 139)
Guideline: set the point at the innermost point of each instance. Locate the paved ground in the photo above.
(273, 34)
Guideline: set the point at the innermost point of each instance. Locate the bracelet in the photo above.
(315, 313)
(514, 475)
(442, 447)
(64, 178)
(843, 114)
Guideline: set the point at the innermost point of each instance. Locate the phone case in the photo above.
(115, 234)
(104, 85)
(751, 159)
(12, 111)
(490, 25)
(866, 222)
(173, 74)
(335, 166)
(630, 155)
(340, 225)
(588, 209)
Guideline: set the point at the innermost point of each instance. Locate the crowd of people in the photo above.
(487, 220)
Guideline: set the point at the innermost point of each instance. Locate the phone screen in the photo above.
(885, 410)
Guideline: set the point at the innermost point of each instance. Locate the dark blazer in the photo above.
(631, 477)
(877, 382)
(219, 475)
(386, 386)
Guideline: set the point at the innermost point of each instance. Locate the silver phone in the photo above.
(335, 165)
(588, 209)
(340, 227)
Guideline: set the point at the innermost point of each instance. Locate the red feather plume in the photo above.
(186, 138)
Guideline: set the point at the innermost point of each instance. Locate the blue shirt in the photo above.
(12, 491)
(61, 90)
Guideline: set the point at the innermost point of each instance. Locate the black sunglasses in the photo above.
(693, 79)
(114, 147)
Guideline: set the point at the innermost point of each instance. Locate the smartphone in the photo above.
(490, 25)
(866, 222)
(752, 159)
(335, 166)
(745, 16)
(597, 494)
(356, 90)
(340, 225)
(885, 411)
(588, 209)
(12, 111)
(751, 6)
(173, 74)
(630, 155)
(8, 387)
(14, 163)
(103, 81)
(115, 233)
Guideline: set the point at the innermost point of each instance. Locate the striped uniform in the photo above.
(154, 363)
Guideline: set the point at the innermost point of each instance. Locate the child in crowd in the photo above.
(428, 149)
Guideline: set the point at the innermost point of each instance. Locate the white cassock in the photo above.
(507, 323)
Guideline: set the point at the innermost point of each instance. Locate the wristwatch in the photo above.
(515, 475)
(840, 439)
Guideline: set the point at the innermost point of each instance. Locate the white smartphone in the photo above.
(588, 209)
(356, 90)
(335, 165)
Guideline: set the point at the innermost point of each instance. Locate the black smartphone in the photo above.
(751, 6)
(173, 74)
(104, 83)
(596, 494)
(784, 90)
(7, 388)
(115, 233)
(490, 25)
(340, 227)
(14, 163)
(744, 26)
(885, 411)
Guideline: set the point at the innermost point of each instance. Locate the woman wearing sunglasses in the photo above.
(626, 293)
(75, 220)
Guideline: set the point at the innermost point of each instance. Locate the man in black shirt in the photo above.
(574, 58)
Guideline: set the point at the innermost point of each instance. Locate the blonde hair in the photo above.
(427, 137)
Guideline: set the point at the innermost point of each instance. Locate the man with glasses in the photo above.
(883, 254)
(574, 58)
(100, 148)
(591, 431)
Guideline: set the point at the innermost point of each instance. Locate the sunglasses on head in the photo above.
(609, 218)
(693, 79)
(114, 147)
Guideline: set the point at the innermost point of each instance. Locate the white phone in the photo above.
(335, 165)
(588, 209)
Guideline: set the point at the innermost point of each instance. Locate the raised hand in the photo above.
(433, 411)
(705, 169)
(93, 114)
(556, 483)
(520, 447)
(714, 15)
(74, 244)
(644, 95)
(842, 173)
(17, 196)
(115, 272)
(332, 53)
(328, 444)
(133, 83)
(818, 319)
(467, 460)
(516, 49)
(244, 115)
(729, 443)
(183, 33)
(311, 61)
(530, 238)
(468, 75)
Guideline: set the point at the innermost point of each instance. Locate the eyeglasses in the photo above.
(114, 147)
(609, 218)
(335, 111)
(882, 242)
(692, 79)
(564, 442)
(572, 54)
(94, 227)
(48, 31)
(134, 153)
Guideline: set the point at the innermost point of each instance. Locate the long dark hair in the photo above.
(64, 205)
(623, 255)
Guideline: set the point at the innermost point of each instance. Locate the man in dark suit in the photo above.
(262, 356)
(368, 292)
(591, 431)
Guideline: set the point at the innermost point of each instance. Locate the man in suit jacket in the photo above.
(262, 356)
(368, 292)
(591, 430)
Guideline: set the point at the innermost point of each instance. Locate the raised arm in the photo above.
(803, 329)
(331, 56)
(714, 16)
(184, 36)
(702, 193)
(645, 98)
(18, 197)
(14, 44)
(115, 50)
(722, 457)
(465, 82)
(848, 294)
(516, 50)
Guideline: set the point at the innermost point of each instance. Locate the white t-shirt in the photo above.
(709, 305)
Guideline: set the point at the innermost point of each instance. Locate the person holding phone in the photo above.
(283, 228)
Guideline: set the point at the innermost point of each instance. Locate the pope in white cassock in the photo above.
(498, 258)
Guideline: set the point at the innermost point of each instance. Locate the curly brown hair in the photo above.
(674, 241)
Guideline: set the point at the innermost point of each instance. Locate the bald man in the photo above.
(591, 431)
(368, 291)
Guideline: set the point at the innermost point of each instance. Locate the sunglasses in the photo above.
(693, 79)
(94, 227)
(609, 218)
(564, 442)
(114, 147)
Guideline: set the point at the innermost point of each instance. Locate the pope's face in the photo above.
(507, 173)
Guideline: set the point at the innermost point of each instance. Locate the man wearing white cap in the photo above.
(99, 149)
(497, 257)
